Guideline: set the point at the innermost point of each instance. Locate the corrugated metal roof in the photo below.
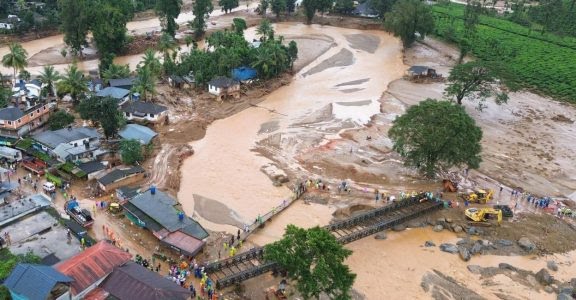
(54, 138)
(92, 265)
(190, 245)
(118, 174)
(133, 281)
(114, 92)
(143, 107)
(137, 132)
(34, 281)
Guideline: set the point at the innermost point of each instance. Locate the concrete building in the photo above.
(139, 111)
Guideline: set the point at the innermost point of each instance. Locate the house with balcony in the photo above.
(17, 121)
(139, 111)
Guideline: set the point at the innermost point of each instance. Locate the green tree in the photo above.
(5, 94)
(73, 83)
(108, 24)
(131, 152)
(74, 23)
(8, 261)
(145, 83)
(168, 11)
(436, 135)
(271, 59)
(264, 6)
(59, 120)
(292, 52)
(116, 72)
(201, 10)
(472, 12)
(476, 81)
(167, 45)
(290, 6)
(309, 10)
(239, 25)
(24, 75)
(315, 259)
(344, 7)
(278, 7)
(228, 5)
(16, 58)
(408, 18)
(5, 293)
(382, 6)
(150, 61)
(103, 111)
(265, 30)
(49, 77)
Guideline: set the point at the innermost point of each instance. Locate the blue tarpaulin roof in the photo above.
(243, 73)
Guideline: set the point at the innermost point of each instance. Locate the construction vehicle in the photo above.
(478, 196)
(34, 165)
(506, 210)
(482, 216)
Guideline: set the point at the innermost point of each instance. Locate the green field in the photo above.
(543, 63)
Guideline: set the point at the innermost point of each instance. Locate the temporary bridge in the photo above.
(249, 264)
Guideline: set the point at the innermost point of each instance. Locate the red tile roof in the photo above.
(92, 265)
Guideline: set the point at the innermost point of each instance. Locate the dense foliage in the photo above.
(8, 261)
(313, 6)
(201, 10)
(315, 259)
(409, 20)
(103, 111)
(539, 62)
(131, 152)
(228, 49)
(59, 120)
(436, 135)
(16, 58)
(168, 11)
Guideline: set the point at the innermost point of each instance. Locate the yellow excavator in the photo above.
(482, 216)
(478, 196)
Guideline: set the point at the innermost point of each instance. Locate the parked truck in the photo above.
(34, 165)
(82, 216)
(10, 154)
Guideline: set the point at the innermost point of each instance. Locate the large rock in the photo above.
(464, 241)
(380, 236)
(544, 277)
(506, 266)
(564, 297)
(429, 244)
(566, 290)
(464, 253)
(548, 289)
(476, 248)
(474, 231)
(438, 228)
(457, 228)
(399, 227)
(474, 269)
(415, 224)
(504, 243)
(526, 244)
(450, 248)
(573, 282)
(552, 265)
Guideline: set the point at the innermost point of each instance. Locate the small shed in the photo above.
(243, 74)
(223, 86)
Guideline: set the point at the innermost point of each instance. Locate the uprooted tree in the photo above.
(435, 135)
(314, 258)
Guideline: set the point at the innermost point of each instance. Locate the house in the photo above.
(133, 281)
(365, 10)
(93, 169)
(224, 86)
(37, 282)
(16, 122)
(137, 132)
(244, 74)
(121, 176)
(155, 211)
(90, 267)
(9, 23)
(69, 144)
(123, 83)
(144, 112)
(95, 85)
(121, 95)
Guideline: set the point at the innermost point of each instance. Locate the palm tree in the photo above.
(49, 76)
(265, 30)
(145, 83)
(166, 45)
(16, 58)
(115, 72)
(150, 61)
(74, 82)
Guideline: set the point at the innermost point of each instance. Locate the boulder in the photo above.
(429, 244)
(506, 266)
(573, 282)
(566, 290)
(399, 227)
(450, 248)
(552, 265)
(415, 224)
(504, 243)
(464, 241)
(526, 244)
(438, 228)
(548, 289)
(564, 297)
(464, 253)
(380, 236)
(544, 277)
(474, 269)
(448, 220)
(457, 228)
(474, 231)
(476, 248)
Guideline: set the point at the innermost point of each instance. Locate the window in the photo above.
(44, 107)
(127, 114)
(38, 110)
(9, 122)
(75, 144)
(19, 121)
(32, 114)
(151, 115)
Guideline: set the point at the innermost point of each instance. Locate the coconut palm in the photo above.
(265, 30)
(74, 82)
(49, 76)
(150, 61)
(167, 45)
(116, 72)
(16, 58)
(145, 83)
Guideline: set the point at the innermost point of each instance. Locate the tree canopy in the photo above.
(201, 10)
(131, 152)
(228, 5)
(103, 111)
(59, 120)
(75, 23)
(436, 135)
(49, 77)
(16, 58)
(408, 20)
(116, 72)
(73, 83)
(314, 258)
(477, 81)
(168, 11)
(313, 6)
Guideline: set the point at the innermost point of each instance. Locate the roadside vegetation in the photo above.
(8, 261)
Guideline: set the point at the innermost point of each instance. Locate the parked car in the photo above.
(49, 187)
